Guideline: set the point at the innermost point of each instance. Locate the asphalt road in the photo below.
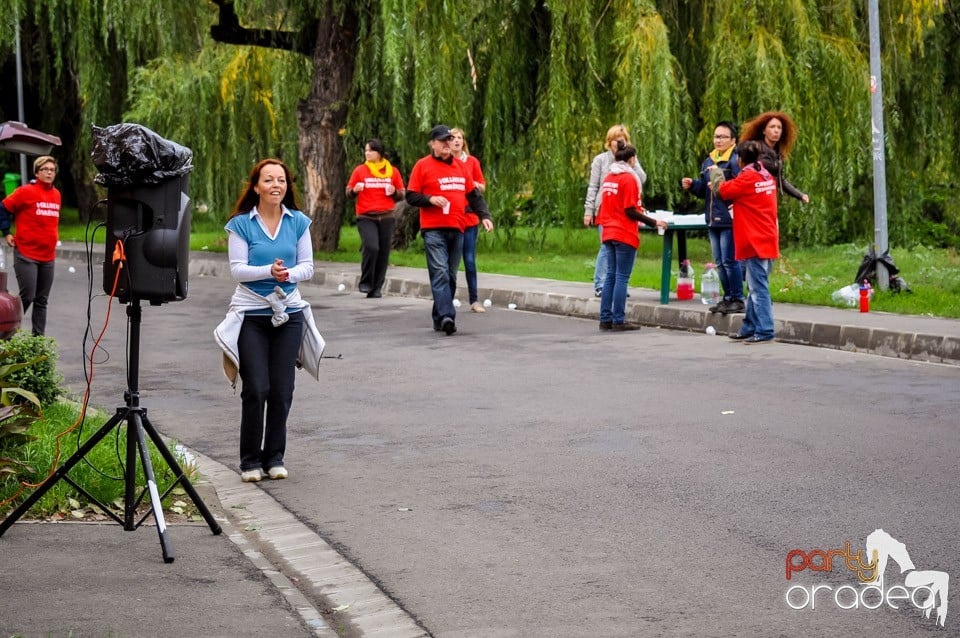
(532, 477)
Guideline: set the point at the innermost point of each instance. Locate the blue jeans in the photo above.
(470, 260)
(619, 258)
(759, 317)
(731, 277)
(600, 270)
(443, 247)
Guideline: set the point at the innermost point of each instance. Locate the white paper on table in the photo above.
(677, 220)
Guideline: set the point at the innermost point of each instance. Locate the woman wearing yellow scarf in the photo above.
(717, 213)
(378, 185)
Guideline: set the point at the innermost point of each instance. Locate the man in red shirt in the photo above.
(35, 209)
(441, 188)
(756, 235)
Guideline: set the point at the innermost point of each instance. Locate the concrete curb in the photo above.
(566, 298)
(288, 552)
(851, 338)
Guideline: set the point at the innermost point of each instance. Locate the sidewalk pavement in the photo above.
(277, 575)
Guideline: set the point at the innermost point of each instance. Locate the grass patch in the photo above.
(803, 275)
(100, 472)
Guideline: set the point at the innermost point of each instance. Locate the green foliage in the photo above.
(535, 85)
(101, 473)
(37, 373)
(19, 410)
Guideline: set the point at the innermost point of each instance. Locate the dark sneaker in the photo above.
(448, 326)
(598, 292)
(719, 307)
(734, 306)
(736, 336)
(755, 339)
(374, 294)
(606, 325)
(623, 327)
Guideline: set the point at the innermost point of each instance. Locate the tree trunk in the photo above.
(321, 117)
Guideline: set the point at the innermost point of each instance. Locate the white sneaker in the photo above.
(476, 306)
(251, 476)
(278, 472)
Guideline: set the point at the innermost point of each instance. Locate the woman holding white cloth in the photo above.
(266, 233)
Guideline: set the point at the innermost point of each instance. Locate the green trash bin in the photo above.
(10, 182)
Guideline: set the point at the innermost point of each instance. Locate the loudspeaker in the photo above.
(154, 223)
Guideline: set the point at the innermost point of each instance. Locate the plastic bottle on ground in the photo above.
(710, 286)
(685, 281)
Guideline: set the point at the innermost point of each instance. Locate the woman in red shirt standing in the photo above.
(458, 146)
(620, 210)
(378, 185)
(35, 209)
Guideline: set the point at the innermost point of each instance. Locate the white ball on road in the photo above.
(342, 287)
(512, 306)
(71, 269)
(711, 330)
(487, 303)
(456, 303)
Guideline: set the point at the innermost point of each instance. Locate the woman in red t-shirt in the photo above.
(35, 209)
(620, 210)
(458, 146)
(378, 185)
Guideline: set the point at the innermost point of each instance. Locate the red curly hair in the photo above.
(753, 130)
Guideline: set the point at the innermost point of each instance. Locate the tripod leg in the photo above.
(135, 423)
(62, 470)
(181, 476)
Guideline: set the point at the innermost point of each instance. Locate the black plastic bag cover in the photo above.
(130, 155)
(868, 267)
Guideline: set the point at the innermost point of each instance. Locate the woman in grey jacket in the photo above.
(598, 171)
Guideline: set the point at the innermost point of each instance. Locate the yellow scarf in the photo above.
(718, 157)
(382, 168)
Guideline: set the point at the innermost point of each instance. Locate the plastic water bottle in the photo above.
(685, 281)
(710, 286)
(3, 257)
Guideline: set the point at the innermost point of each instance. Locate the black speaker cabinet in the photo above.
(154, 223)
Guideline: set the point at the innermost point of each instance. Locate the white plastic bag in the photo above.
(849, 295)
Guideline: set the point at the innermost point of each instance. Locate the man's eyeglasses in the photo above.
(46, 169)
(722, 137)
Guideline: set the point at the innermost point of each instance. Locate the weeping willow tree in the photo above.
(535, 84)
(77, 58)
(231, 105)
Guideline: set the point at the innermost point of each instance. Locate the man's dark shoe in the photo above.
(374, 294)
(736, 336)
(598, 292)
(364, 288)
(755, 340)
(448, 326)
(606, 325)
(624, 327)
(720, 307)
(734, 306)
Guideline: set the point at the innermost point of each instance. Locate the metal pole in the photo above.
(880, 240)
(23, 158)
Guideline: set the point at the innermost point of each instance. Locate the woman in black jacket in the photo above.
(778, 133)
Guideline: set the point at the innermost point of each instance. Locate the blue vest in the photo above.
(263, 250)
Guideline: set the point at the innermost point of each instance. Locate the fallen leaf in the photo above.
(404, 509)
(727, 412)
(340, 608)
(251, 528)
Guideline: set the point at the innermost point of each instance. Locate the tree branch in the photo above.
(229, 31)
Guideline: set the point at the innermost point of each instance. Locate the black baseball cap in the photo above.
(440, 132)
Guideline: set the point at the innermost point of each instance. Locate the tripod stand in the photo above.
(138, 427)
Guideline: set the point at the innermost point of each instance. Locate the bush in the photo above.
(40, 378)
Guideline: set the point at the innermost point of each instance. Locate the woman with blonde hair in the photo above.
(777, 133)
(458, 146)
(598, 171)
